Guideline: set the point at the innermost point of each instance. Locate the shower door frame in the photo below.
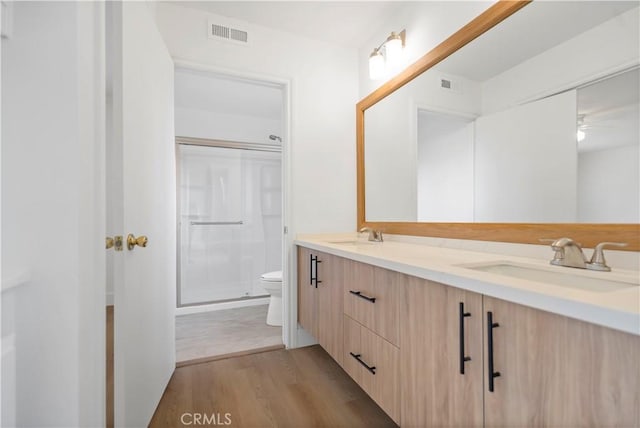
(291, 336)
(225, 144)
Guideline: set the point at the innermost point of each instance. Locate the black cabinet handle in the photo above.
(316, 278)
(461, 316)
(359, 294)
(313, 265)
(490, 326)
(357, 357)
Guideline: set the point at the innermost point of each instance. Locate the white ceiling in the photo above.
(348, 23)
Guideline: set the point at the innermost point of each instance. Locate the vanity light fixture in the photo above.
(387, 55)
(376, 64)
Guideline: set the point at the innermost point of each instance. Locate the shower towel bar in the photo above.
(214, 223)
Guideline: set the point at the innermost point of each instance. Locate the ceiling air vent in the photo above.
(449, 84)
(228, 30)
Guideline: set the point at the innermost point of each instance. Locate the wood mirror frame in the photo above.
(528, 233)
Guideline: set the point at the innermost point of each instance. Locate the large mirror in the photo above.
(530, 130)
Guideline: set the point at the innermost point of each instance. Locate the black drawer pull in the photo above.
(359, 294)
(313, 266)
(357, 357)
(316, 278)
(490, 326)
(461, 316)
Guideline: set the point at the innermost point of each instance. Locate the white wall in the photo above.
(526, 163)
(7, 347)
(324, 89)
(53, 210)
(232, 127)
(217, 107)
(608, 47)
(445, 167)
(609, 185)
(428, 23)
(390, 157)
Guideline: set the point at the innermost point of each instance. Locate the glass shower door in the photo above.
(224, 222)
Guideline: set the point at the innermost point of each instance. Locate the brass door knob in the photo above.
(132, 241)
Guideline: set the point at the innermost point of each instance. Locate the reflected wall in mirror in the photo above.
(544, 161)
(490, 134)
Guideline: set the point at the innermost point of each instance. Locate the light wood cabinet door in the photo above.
(435, 338)
(371, 298)
(559, 372)
(374, 364)
(330, 274)
(352, 345)
(320, 307)
(307, 306)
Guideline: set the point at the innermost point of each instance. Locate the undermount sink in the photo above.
(567, 277)
(353, 242)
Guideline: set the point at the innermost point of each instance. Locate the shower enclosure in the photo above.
(230, 220)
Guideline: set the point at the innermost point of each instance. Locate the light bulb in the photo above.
(393, 49)
(376, 65)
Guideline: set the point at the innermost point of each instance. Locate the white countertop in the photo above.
(617, 309)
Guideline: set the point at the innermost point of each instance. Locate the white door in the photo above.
(141, 182)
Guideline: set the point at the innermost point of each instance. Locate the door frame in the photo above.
(289, 291)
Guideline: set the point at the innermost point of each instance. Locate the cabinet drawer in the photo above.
(374, 364)
(371, 298)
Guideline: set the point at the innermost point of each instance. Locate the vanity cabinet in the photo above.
(549, 370)
(441, 360)
(320, 303)
(424, 351)
(371, 332)
(373, 363)
(371, 298)
(557, 372)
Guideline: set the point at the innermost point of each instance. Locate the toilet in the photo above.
(272, 282)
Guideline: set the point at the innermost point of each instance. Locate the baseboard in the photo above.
(185, 310)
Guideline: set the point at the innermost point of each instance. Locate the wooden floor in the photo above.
(209, 334)
(295, 388)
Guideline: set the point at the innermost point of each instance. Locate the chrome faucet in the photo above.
(374, 235)
(569, 253)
